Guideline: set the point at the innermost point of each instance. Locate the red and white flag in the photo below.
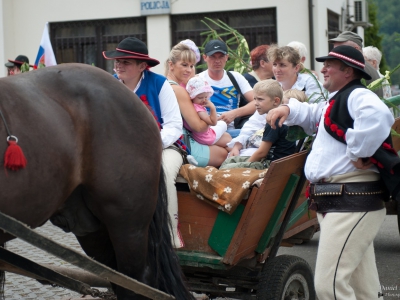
(45, 54)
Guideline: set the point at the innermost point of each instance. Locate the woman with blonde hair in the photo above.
(180, 64)
(286, 65)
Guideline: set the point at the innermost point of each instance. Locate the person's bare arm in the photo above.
(212, 118)
(235, 150)
(261, 152)
(187, 110)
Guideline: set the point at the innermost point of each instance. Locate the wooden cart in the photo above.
(235, 255)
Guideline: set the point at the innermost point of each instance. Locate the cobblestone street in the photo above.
(20, 287)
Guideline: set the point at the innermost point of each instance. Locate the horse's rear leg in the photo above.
(98, 246)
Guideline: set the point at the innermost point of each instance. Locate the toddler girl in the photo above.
(200, 92)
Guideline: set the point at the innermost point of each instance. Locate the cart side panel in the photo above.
(196, 220)
(259, 209)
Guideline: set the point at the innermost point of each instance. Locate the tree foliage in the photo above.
(372, 36)
(389, 27)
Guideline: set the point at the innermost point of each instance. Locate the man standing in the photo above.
(345, 186)
(352, 39)
(225, 97)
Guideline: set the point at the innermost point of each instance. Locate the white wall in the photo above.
(23, 21)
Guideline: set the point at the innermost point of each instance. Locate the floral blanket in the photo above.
(223, 189)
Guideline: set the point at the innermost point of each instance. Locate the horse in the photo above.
(93, 153)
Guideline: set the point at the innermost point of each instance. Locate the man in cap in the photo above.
(352, 39)
(225, 97)
(132, 63)
(14, 66)
(345, 185)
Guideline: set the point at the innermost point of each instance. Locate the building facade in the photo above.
(81, 30)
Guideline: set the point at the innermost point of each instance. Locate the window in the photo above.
(258, 26)
(85, 41)
(333, 27)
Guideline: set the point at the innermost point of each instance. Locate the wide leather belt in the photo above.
(347, 197)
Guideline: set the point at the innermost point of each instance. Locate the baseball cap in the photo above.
(215, 46)
(348, 36)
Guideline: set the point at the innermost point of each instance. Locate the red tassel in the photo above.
(14, 158)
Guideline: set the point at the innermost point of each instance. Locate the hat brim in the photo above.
(12, 63)
(365, 75)
(215, 51)
(337, 39)
(115, 54)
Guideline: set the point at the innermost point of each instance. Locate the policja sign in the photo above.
(155, 7)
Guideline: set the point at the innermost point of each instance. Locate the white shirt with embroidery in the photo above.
(328, 157)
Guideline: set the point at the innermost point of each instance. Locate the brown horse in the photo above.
(93, 155)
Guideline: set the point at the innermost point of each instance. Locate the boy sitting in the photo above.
(268, 144)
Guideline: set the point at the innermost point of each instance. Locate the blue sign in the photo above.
(148, 7)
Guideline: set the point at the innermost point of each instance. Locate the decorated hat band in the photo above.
(348, 59)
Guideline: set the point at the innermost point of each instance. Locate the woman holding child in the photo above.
(179, 65)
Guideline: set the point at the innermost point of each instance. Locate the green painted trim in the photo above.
(298, 213)
(223, 230)
(200, 259)
(394, 100)
(273, 225)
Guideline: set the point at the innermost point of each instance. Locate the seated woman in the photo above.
(262, 68)
(268, 144)
(180, 65)
(286, 66)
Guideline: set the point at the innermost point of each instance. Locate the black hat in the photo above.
(215, 46)
(19, 61)
(348, 55)
(133, 48)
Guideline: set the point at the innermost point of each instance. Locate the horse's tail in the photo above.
(162, 257)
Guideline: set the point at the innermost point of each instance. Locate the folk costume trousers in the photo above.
(172, 162)
(346, 267)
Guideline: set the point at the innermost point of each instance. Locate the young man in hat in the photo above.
(352, 39)
(345, 186)
(225, 97)
(132, 63)
(14, 66)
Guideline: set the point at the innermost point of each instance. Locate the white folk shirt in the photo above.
(170, 113)
(329, 157)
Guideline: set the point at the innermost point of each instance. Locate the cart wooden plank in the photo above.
(259, 209)
(20, 230)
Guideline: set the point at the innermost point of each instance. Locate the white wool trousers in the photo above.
(346, 267)
(172, 161)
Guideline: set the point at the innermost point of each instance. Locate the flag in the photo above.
(45, 54)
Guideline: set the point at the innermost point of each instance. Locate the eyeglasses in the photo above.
(124, 63)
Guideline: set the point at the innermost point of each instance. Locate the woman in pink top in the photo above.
(200, 92)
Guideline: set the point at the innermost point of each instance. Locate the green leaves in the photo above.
(238, 48)
(24, 68)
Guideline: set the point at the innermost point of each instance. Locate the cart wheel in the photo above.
(286, 277)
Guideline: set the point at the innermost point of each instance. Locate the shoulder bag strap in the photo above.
(242, 99)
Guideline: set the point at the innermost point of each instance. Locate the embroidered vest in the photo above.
(149, 90)
(338, 120)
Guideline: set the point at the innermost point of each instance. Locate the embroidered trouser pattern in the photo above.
(346, 267)
(172, 162)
